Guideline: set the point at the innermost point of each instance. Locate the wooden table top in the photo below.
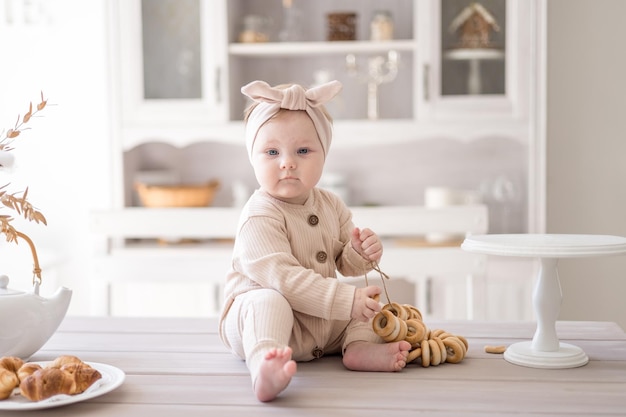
(178, 366)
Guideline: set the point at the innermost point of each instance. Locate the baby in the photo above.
(283, 303)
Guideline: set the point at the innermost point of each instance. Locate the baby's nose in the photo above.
(288, 162)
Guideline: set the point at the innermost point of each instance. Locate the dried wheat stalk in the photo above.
(18, 201)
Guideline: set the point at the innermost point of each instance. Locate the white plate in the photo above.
(112, 378)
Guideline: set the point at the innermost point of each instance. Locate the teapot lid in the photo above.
(4, 283)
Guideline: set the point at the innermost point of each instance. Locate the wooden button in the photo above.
(317, 353)
(321, 256)
(313, 220)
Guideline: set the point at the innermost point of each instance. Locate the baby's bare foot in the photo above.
(380, 357)
(275, 374)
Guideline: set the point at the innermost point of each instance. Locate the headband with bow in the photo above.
(295, 97)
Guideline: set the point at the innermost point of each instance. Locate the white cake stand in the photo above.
(545, 350)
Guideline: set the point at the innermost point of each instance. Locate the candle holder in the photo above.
(380, 70)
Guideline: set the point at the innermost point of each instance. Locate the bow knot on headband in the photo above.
(271, 99)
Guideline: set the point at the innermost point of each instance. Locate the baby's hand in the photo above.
(364, 306)
(367, 244)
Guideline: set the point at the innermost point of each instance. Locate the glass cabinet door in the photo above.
(171, 41)
(171, 61)
(477, 62)
(473, 46)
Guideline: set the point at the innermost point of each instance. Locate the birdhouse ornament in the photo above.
(474, 26)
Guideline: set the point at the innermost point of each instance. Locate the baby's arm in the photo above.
(367, 244)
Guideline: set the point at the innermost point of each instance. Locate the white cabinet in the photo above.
(437, 79)
(447, 282)
(439, 87)
(179, 66)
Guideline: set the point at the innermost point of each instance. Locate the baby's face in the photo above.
(288, 157)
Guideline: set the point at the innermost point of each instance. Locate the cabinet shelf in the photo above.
(347, 133)
(312, 48)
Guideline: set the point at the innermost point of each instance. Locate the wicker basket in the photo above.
(177, 195)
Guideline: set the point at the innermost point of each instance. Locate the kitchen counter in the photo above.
(178, 366)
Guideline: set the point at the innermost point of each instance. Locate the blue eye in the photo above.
(303, 151)
(272, 152)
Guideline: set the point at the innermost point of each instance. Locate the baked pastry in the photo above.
(8, 375)
(46, 383)
(27, 369)
(11, 363)
(67, 374)
(69, 379)
(64, 360)
(83, 374)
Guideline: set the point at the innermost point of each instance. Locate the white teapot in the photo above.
(28, 320)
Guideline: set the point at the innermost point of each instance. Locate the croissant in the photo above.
(8, 381)
(67, 374)
(64, 360)
(46, 383)
(83, 374)
(27, 369)
(70, 379)
(11, 363)
(8, 375)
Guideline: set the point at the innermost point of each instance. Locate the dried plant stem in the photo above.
(20, 204)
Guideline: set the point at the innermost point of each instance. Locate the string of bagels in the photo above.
(397, 322)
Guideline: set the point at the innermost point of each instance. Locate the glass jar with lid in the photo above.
(381, 26)
(255, 29)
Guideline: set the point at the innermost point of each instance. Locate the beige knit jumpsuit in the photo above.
(282, 289)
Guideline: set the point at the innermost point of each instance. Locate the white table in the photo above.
(545, 350)
(179, 367)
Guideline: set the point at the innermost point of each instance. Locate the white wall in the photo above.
(65, 158)
(586, 148)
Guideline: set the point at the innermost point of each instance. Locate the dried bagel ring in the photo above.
(403, 331)
(435, 353)
(397, 310)
(464, 341)
(396, 331)
(436, 333)
(495, 349)
(414, 355)
(413, 312)
(411, 335)
(458, 339)
(455, 349)
(442, 334)
(384, 323)
(442, 349)
(425, 354)
(406, 312)
(416, 331)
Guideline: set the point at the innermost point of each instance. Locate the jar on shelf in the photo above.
(341, 26)
(381, 26)
(254, 29)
